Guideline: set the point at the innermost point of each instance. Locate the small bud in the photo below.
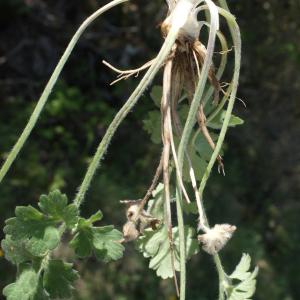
(216, 238)
(132, 209)
(130, 233)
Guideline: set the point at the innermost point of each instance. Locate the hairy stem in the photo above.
(45, 95)
(235, 32)
(181, 12)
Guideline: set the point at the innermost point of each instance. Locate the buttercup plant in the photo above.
(191, 101)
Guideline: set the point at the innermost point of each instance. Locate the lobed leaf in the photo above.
(155, 244)
(217, 121)
(241, 270)
(59, 278)
(198, 163)
(156, 204)
(246, 288)
(15, 251)
(56, 206)
(24, 288)
(104, 242)
(152, 125)
(156, 94)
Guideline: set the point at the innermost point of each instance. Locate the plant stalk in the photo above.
(181, 13)
(191, 119)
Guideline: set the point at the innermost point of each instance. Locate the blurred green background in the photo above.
(260, 193)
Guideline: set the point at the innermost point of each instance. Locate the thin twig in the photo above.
(202, 123)
(125, 74)
(153, 184)
(166, 137)
(202, 224)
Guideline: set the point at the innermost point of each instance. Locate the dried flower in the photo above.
(138, 220)
(130, 233)
(216, 238)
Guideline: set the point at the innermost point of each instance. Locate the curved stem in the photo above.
(181, 13)
(237, 44)
(191, 119)
(187, 132)
(222, 66)
(235, 32)
(44, 97)
(223, 4)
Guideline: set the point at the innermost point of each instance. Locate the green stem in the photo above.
(191, 119)
(237, 44)
(235, 32)
(223, 4)
(182, 254)
(44, 97)
(162, 55)
(222, 275)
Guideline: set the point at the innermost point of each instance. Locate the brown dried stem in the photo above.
(166, 113)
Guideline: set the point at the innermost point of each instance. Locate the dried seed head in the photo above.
(130, 233)
(132, 209)
(216, 238)
(139, 218)
(190, 29)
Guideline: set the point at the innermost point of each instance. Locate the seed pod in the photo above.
(132, 209)
(130, 233)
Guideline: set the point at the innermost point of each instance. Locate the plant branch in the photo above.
(187, 132)
(181, 13)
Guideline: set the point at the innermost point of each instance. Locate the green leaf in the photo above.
(241, 270)
(199, 166)
(152, 125)
(40, 245)
(190, 208)
(156, 94)
(56, 205)
(14, 251)
(95, 217)
(155, 244)
(106, 242)
(217, 121)
(41, 293)
(28, 213)
(37, 233)
(59, 278)
(202, 147)
(24, 288)
(82, 242)
(156, 204)
(246, 288)
(70, 215)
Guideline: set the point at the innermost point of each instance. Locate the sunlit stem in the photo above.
(235, 32)
(45, 95)
(183, 9)
(214, 26)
